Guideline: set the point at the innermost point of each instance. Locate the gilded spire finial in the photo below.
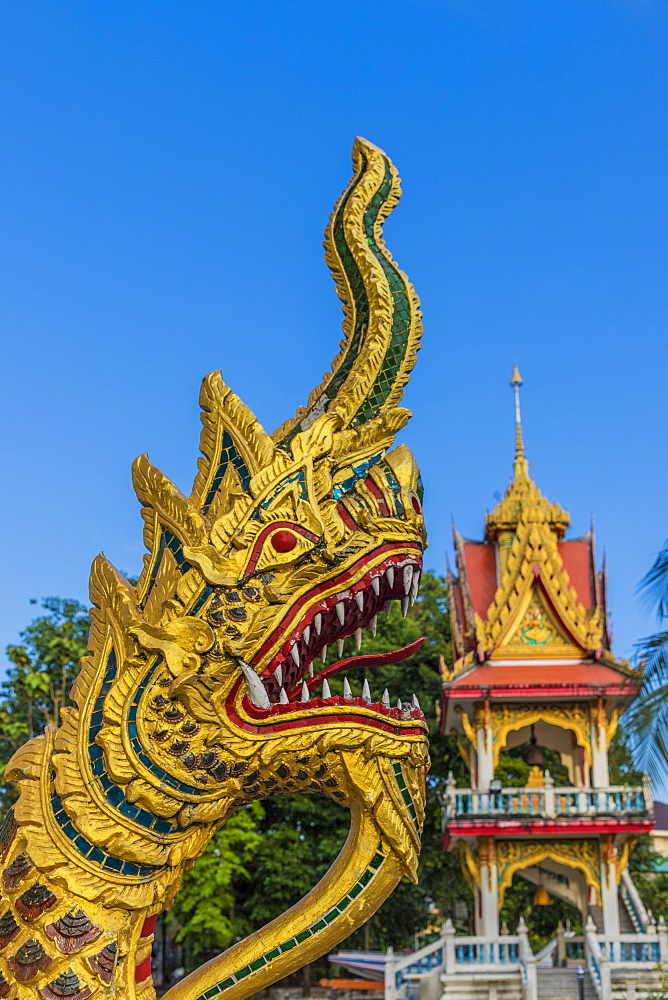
(521, 464)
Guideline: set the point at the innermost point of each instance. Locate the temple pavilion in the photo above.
(534, 674)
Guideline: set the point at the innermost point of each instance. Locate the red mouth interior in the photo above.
(289, 681)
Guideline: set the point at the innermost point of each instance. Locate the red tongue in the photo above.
(371, 660)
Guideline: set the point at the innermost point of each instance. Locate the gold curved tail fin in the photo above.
(382, 324)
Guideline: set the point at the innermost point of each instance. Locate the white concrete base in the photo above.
(482, 986)
(636, 984)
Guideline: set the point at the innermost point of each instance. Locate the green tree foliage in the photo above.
(268, 856)
(204, 917)
(643, 860)
(621, 767)
(542, 921)
(513, 769)
(41, 672)
(271, 854)
(302, 834)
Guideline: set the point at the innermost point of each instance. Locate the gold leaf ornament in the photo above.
(194, 698)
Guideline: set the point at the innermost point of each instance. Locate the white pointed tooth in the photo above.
(295, 654)
(305, 692)
(375, 584)
(310, 667)
(408, 578)
(339, 647)
(282, 697)
(317, 621)
(359, 600)
(347, 693)
(256, 689)
(306, 634)
(340, 612)
(358, 637)
(399, 703)
(323, 654)
(404, 606)
(415, 586)
(278, 674)
(326, 693)
(366, 693)
(373, 625)
(416, 703)
(387, 608)
(386, 698)
(390, 575)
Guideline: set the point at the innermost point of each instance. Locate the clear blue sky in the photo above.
(166, 174)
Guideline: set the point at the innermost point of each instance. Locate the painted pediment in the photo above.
(535, 608)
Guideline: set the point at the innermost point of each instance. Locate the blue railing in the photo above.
(431, 961)
(547, 801)
(632, 910)
(595, 969)
(575, 950)
(515, 801)
(632, 951)
(486, 953)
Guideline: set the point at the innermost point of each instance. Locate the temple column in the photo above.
(484, 748)
(489, 909)
(609, 895)
(599, 749)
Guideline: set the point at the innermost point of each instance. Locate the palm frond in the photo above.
(647, 728)
(652, 654)
(653, 587)
(647, 720)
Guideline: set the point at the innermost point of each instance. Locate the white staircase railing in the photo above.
(599, 968)
(399, 969)
(633, 903)
(527, 962)
(462, 955)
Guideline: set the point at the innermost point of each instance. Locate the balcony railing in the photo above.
(548, 802)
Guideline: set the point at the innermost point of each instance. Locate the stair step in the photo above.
(562, 984)
(626, 925)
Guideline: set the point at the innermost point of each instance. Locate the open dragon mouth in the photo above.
(288, 683)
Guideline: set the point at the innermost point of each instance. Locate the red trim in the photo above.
(313, 720)
(376, 491)
(143, 970)
(345, 517)
(269, 529)
(290, 722)
(149, 926)
(331, 584)
(366, 660)
(543, 827)
(543, 690)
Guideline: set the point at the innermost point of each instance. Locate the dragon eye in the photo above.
(283, 541)
(415, 503)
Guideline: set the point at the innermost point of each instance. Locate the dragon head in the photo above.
(199, 695)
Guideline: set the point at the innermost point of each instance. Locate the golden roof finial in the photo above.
(521, 464)
(523, 500)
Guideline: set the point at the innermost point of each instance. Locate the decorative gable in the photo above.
(538, 632)
(535, 604)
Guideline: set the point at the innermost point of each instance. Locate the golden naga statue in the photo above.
(198, 693)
